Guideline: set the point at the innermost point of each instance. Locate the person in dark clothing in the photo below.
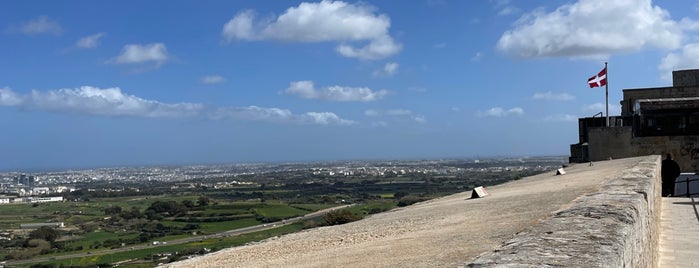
(669, 171)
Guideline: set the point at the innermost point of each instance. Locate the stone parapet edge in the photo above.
(615, 227)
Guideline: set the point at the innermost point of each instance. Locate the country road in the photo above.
(234, 232)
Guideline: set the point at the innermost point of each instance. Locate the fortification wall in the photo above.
(677, 91)
(615, 227)
(606, 142)
(617, 142)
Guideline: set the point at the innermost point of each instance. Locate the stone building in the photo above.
(653, 121)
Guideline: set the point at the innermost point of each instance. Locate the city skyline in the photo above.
(88, 84)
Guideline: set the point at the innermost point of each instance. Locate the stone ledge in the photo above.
(615, 227)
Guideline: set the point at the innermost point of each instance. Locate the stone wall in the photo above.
(606, 142)
(615, 227)
(617, 142)
(631, 95)
(685, 78)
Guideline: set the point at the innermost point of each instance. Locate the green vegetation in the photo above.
(341, 216)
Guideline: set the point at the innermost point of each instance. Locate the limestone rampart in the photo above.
(617, 226)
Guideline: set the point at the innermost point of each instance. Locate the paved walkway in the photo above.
(679, 235)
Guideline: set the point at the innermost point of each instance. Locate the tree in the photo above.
(112, 210)
(45, 233)
(203, 201)
(341, 217)
(188, 203)
(171, 207)
(400, 195)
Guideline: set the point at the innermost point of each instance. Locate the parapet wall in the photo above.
(615, 227)
(618, 142)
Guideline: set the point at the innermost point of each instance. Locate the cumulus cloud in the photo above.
(326, 21)
(591, 28)
(41, 25)
(686, 58)
(91, 41)
(550, 96)
(96, 101)
(139, 54)
(277, 115)
(306, 90)
(561, 118)
(213, 79)
(325, 118)
(500, 112)
(9, 97)
(389, 69)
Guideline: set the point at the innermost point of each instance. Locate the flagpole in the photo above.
(606, 91)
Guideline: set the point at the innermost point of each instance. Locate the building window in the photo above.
(665, 123)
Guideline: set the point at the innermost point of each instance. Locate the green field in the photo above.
(151, 256)
(90, 229)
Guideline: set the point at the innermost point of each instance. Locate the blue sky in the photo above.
(109, 83)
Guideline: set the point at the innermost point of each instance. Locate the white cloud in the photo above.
(325, 118)
(306, 90)
(500, 112)
(377, 49)
(687, 58)
(689, 25)
(600, 107)
(326, 21)
(91, 41)
(508, 10)
(389, 69)
(440, 45)
(113, 102)
(277, 115)
(213, 79)
(592, 28)
(137, 54)
(505, 7)
(561, 118)
(41, 25)
(97, 101)
(9, 97)
(550, 96)
(397, 113)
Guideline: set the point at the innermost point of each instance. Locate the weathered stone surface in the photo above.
(534, 216)
(616, 227)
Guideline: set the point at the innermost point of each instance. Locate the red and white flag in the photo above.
(598, 80)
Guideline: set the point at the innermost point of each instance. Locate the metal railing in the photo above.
(686, 182)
